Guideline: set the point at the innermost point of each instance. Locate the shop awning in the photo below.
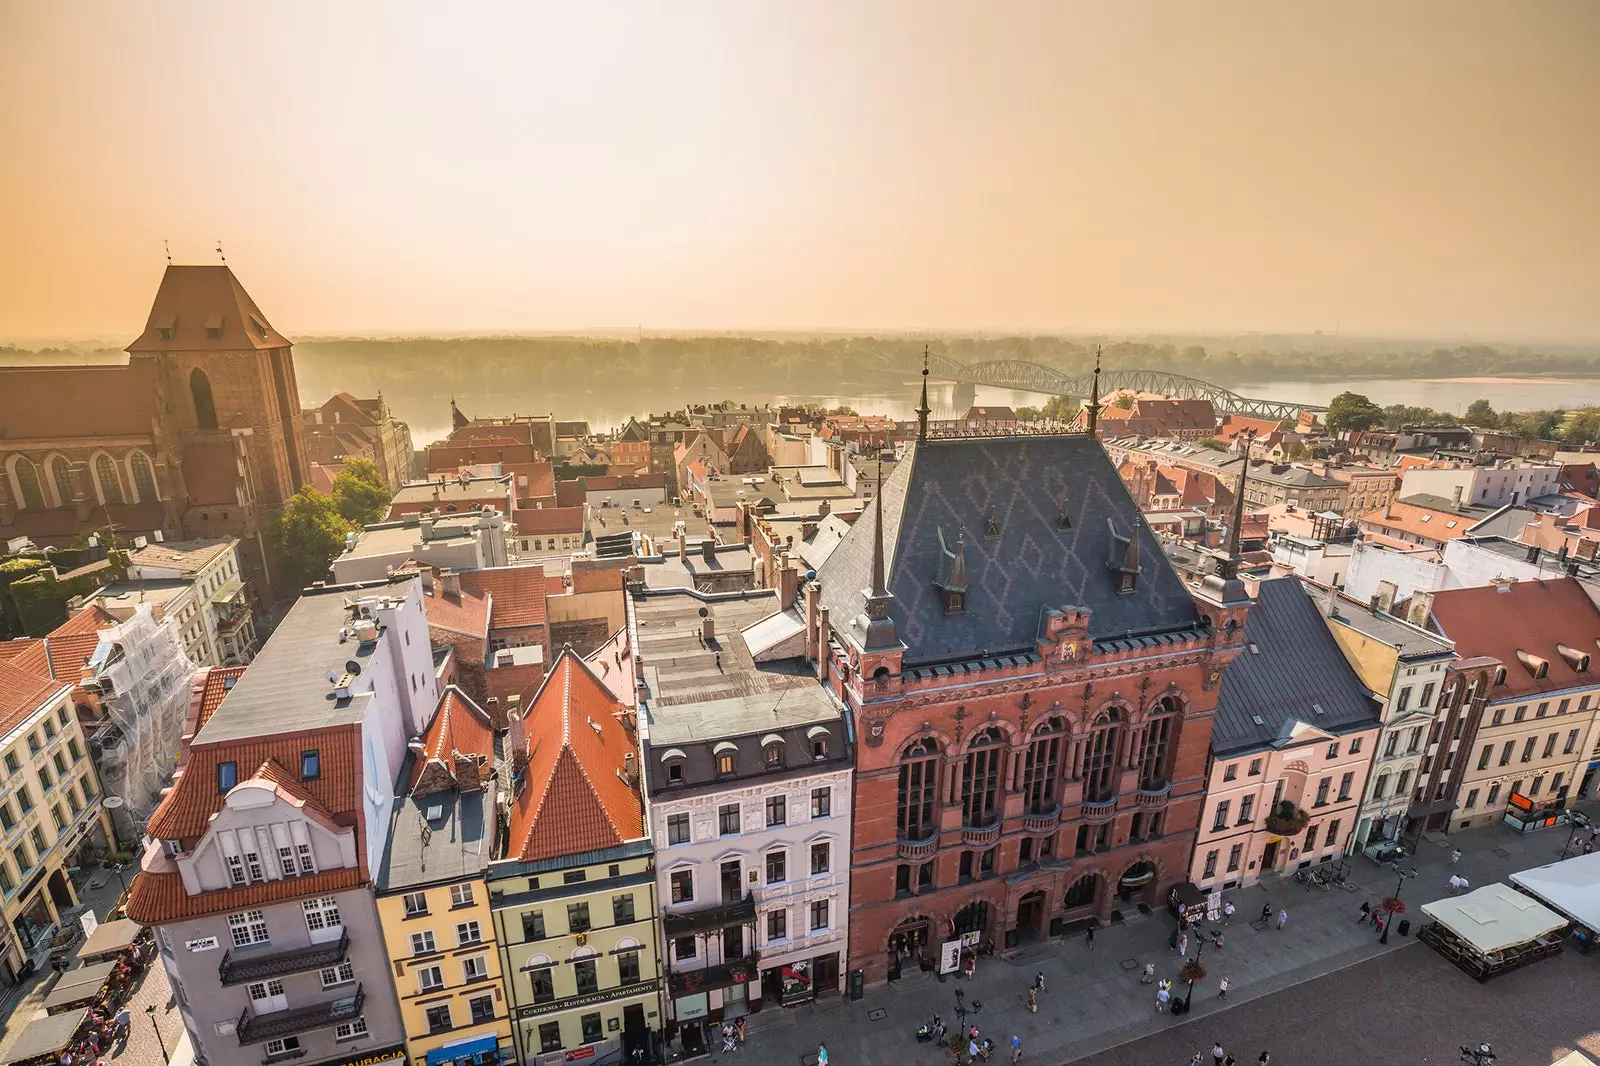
(1571, 886)
(740, 912)
(109, 937)
(79, 986)
(463, 1049)
(1494, 918)
(44, 1036)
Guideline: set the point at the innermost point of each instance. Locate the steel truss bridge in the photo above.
(1036, 377)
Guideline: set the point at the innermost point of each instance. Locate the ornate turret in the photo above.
(1093, 406)
(922, 411)
(880, 627)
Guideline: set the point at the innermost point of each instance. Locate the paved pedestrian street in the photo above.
(1095, 1001)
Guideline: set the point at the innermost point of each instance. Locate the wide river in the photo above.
(1445, 394)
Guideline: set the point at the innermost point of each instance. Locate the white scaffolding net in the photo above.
(144, 677)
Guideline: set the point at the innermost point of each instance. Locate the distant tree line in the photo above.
(1353, 411)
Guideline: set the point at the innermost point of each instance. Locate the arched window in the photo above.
(205, 409)
(1041, 771)
(915, 806)
(61, 477)
(30, 495)
(1157, 741)
(105, 472)
(144, 477)
(973, 918)
(1081, 894)
(980, 781)
(1100, 762)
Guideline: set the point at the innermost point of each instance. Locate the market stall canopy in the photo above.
(44, 1036)
(1571, 887)
(79, 986)
(1494, 918)
(110, 937)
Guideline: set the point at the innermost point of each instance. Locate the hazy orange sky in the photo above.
(1413, 167)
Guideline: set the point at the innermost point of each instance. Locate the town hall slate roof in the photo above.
(1291, 666)
(1035, 561)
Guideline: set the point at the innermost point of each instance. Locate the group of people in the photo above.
(1219, 1057)
(733, 1035)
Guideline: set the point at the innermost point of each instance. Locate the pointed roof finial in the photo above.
(168, 249)
(1231, 548)
(922, 411)
(1093, 407)
(878, 578)
(219, 252)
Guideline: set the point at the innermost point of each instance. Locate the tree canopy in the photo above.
(308, 533)
(1351, 410)
(360, 493)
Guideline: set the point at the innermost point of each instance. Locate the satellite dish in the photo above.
(704, 611)
(332, 676)
(351, 667)
(111, 802)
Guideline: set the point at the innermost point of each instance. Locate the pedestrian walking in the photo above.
(1266, 913)
(822, 1054)
(1198, 1059)
(1265, 1059)
(1163, 997)
(738, 1030)
(1172, 941)
(1217, 1054)
(1149, 973)
(1216, 939)
(1588, 846)
(1366, 912)
(1455, 856)
(1038, 981)
(1183, 946)
(1033, 1001)
(1377, 923)
(1227, 913)
(1089, 938)
(1283, 919)
(972, 1049)
(1016, 1048)
(1222, 987)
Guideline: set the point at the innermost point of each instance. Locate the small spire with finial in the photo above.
(168, 249)
(220, 254)
(922, 411)
(1093, 407)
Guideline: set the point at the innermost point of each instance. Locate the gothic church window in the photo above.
(30, 495)
(105, 472)
(205, 409)
(61, 476)
(144, 478)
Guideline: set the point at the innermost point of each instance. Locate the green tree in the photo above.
(1582, 428)
(1479, 413)
(1214, 444)
(360, 493)
(307, 535)
(1059, 409)
(1122, 400)
(1351, 410)
(1027, 414)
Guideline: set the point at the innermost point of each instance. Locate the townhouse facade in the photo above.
(1523, 699)
(1290, 747)
(750, 783)
(257, 872)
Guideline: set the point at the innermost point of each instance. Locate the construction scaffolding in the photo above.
(143, 677)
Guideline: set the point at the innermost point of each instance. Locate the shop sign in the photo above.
(950, 956)
(691, 1007)
(205, 943)
(372, 1058)
(585, 1052)
(573, 1002)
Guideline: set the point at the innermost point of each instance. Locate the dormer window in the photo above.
(227, 777)
(992, 529)
(168, 329)
(214, 327)
(310, 765)
(772, 755)
(1066, 519)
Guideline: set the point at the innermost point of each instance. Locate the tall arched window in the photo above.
(1157, 742)
(31, 496)
(1041, 770)
(205, 410)
(61, 477)
(980, 781)
(1100, 761)
(105, 472)
(915, 807)
(144, 477)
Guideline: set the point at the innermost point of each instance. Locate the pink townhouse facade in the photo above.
(1290, 748)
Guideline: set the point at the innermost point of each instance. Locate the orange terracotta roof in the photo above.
(321, 478)
(157, 898)
(1428, 522)
(288, 787)
(71, 643)
(1529, 616)
(547, 520)
(21, 693)
(465, 613)
(27, 654)
(1233, 425)
(204, 308)
(107, 400)
(518, 593)
(217, 682)
(573, 798)
(187, 809)
(460, 728)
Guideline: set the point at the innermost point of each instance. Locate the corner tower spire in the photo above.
(1093, 407)
(880, 627)
(922, 411)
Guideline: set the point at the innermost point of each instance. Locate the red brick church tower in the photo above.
(1033, 688)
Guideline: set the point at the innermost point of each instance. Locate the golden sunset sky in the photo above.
(1415, 166)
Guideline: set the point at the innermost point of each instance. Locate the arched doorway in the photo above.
(61, 892)
(1138, 880)
(1030, 917)
(908, 945)
(973, 918)
(1081, 896)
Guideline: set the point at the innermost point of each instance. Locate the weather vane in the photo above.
(219, 252)
(168, 249)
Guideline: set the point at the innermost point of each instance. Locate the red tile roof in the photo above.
(71, 643)
(322, 478)
(156, 898)
(60, 526)
(466, 613)
(1427, 522)
(204, 308)
(518, 592)
(27, 654)
(569, 494)
(21, 693)
(106, 400)
(216, 683)
(1533, 617)
(187, 809)
(460, 730)
(573, 797)
(547, 520)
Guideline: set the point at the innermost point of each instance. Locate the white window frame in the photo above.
(351, 1030)
(475, 968)
(323, 920)
(343, 974)
(465, 928)
(423, 942)
(424, 985)
(461, 895)
(248, 928)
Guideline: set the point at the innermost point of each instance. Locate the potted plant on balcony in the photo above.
(1286, 819)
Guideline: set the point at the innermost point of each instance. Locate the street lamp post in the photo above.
(1199, 949)
(150, 1012)
(1384, 939)
(962, 1011)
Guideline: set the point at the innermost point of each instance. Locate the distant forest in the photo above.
(418, 374)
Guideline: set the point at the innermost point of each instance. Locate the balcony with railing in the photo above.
(1153, 795)
(981, 836)
(917, 850)
(254, 1028)
(1099, 810)
(1043, 821)
(257, 964)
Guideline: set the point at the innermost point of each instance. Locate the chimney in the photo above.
(1420, 608)
(708, 550)
(1456, 495)
(683, 545)
(630, 767)
(708, 626)
(788, 581)
(452, 582)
